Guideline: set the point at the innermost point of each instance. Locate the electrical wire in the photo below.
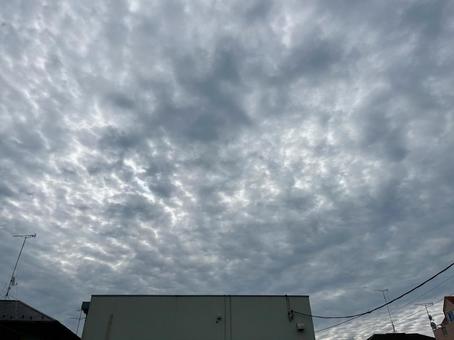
(417, 311)
(398, 323)
(380, 306)
(335, 325)
(428, 291)
(347, 321)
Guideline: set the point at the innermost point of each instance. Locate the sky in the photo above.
(229, 147)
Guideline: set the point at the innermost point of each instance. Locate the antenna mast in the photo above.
(425, 305)
(12, 281)
(389, 312)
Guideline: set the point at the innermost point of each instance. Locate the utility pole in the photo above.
(12, 281)
(425, 305)
(383, 291)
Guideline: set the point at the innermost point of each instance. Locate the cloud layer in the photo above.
(228, 147)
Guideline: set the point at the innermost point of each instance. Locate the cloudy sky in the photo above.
(229, 147)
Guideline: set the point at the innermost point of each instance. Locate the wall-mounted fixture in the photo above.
(300, 327)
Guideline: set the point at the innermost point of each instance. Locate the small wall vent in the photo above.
(300, 327)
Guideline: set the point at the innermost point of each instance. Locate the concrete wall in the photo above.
(196, 318)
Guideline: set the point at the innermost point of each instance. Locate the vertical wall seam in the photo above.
(231, 319)
(109, 326)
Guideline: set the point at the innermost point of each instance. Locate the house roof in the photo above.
(18, 310)
(51, 330)
(197, 295)
(19, 320)
(398, 336)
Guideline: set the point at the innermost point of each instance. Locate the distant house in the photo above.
(446, 329)
(399, 336)
(19, 321)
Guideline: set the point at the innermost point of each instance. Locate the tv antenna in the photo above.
(12, 281)
(384, 291)
(425, 305)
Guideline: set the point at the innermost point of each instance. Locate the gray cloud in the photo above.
(193, 147)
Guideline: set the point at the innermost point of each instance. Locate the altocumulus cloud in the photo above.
(228, 147)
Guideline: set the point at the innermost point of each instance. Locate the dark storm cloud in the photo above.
(191, 147)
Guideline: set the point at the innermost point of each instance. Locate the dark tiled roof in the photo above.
(19, 320)
(17, 310)
(398, 336)
(195, 295)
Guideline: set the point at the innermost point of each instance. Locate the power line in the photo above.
(428, 291)
(347, 321)
(417, 311)
(356, 317)
(380, 306)
(335, 325)
(418, 297)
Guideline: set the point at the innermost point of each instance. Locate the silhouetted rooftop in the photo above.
(398, 336)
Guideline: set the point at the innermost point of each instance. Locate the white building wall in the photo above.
(197, 318)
